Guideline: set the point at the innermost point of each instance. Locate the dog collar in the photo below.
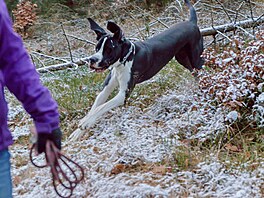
(131, 51)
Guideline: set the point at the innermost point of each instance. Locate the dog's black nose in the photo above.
(93, 60)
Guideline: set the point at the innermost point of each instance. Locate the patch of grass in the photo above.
(186, 158)
(75, 92)
(23, 140)
(242, 147)
(236, 148)
(74, 89)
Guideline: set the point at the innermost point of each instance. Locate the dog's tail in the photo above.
(193, 16)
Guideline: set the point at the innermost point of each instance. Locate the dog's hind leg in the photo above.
(183, 58)
(195, 57)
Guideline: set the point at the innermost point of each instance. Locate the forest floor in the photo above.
(164, 142)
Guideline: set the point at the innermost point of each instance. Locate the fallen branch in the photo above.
(62, 66)
(232, 26)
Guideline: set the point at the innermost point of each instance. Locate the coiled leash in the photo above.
(66, 173)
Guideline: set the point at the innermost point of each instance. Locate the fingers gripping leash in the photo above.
(66, 173)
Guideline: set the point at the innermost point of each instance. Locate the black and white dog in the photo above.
(132, 63)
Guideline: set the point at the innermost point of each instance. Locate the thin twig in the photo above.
(212, 24)
(217, 7)
(179, 4)
(157, 19)
(81, 39)
(69, 46)
(41, 62)
(251, 35)
(47, 56)
(223, 35)
(223, 7)
(139, 30)
(251, 14)
(237, 11)
(259, 17)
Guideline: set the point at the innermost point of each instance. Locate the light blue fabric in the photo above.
(5, 175)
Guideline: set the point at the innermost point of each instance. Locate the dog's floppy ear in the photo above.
(97, 29)
(114, 28)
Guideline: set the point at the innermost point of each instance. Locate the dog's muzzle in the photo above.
(96, 65)
(93, 60)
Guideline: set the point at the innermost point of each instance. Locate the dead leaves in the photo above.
(25, 16)
(118, 168)
(232, 148)
(233, 80)
(161, 169)
(154, 168)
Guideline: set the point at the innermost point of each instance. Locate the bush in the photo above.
(237, 79)
(24, 17)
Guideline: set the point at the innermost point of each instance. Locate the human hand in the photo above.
(55, 136)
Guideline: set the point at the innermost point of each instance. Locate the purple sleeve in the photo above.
(22, 79)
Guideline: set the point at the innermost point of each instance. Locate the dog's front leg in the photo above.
(90, 119)
(123, 76)
(100, 110)
(109, 85)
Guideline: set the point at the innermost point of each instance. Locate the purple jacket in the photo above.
(19, 75)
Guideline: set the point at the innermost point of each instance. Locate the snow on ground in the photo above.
(132, 136)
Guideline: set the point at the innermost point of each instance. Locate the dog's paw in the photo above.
(76, 135)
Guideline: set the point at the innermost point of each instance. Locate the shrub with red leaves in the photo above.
(235, 77)
(25, 16)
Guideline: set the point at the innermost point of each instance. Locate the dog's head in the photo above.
(110, 49)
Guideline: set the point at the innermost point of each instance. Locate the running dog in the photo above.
(132, 63)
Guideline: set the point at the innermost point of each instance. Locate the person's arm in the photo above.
(22, 79)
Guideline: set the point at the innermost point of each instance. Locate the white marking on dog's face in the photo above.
(96, 58)
(108, 54)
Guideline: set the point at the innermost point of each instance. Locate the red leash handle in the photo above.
(66, 173)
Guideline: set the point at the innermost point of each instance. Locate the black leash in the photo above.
(66, 173)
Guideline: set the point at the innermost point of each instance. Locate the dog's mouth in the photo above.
(98, 70)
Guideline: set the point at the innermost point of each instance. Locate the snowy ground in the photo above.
(123, 154)
(134, 137)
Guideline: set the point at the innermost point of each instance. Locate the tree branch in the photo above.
(69, 46)
(231, 26)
